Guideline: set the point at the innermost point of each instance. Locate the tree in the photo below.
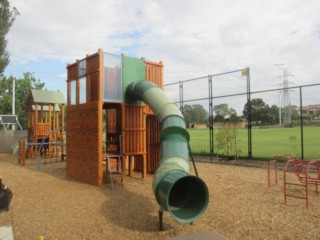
(272, 115)
(23, 88)
(226, 140)
(194, 114)
(187, 114)
(222, 112)
(294, 111)
(259, 109)
(7, 18)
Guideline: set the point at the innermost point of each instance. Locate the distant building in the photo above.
(312, 110)
(198, 125)
(217, 125)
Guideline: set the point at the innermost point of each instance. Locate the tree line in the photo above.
(23, 87)
(261, 113)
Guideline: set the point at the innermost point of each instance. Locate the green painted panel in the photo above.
(133, 70)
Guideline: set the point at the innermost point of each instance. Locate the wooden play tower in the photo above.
(99, 112)
(45, 115)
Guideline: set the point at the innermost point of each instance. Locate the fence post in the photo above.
(249, 114)
(211, 118)
(301, 125)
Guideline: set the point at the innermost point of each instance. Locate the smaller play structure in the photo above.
(45, 125)
(298, 175)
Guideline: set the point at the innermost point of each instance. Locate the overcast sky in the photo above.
(193, 38)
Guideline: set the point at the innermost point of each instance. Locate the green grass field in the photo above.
(266, 142)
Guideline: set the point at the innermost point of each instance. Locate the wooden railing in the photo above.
(42, 129)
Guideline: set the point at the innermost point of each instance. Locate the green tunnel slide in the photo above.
(183, 195)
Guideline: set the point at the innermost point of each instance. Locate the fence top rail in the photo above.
(252, 92)
(208, 76)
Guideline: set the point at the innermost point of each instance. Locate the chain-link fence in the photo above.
(284, 120)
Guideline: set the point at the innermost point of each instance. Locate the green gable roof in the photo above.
(45, 108)
(41, 96)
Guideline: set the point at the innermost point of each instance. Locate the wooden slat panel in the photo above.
(134, 130)
(154, 73)
(72, 71)
(93, 63)
(153, 146)
(113, 128)
(93, 79)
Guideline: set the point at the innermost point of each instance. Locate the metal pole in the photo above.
(249, 114)
(211, 118)
(192, 159)
(280, 123)
(16, 13)
(14, 78)
(301, 125)
(181, 96)
(160, 218)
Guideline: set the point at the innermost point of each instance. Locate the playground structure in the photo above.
(45, 125)
(106, 90)
(297, 174)
(98, 113)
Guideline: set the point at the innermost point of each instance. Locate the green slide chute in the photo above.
(184, 196)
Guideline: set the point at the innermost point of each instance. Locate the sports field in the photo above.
(266, 142)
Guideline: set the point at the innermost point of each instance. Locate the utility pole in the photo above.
(16, 13)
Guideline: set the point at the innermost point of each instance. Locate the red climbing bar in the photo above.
(307, 172)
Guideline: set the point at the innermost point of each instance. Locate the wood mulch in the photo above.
(241, 206)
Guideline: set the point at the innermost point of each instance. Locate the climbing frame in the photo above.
(300, 174)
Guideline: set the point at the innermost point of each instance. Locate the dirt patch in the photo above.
(241, 206)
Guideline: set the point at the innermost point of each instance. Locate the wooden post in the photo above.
(124, 166)
(35, 132)
(62, 133)
(41, 113)
(144, 166)
(50, 116)
(100, 120)
(100, 82)
(130, 165)
(54, 119)
(68, 91)
(22, 152)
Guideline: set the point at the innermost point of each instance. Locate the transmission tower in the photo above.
(285, 107)
(286, 101)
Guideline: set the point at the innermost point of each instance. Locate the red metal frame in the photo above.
(308, 172)
(272, 165)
